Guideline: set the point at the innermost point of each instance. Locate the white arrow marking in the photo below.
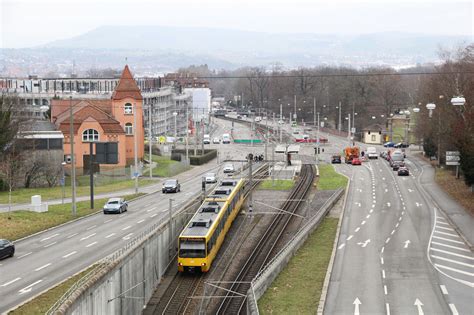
(410, 190)
(388, 204)
(418, 204)
(10, 282)
(418, 306)
(364, 244)
(386, 190)
(406, 243)
(28, 288)
(356, 306)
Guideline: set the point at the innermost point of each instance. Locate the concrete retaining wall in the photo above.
(124, 282)
(265, 278)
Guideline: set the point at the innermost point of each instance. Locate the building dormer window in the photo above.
(128, 109)
(90, 135)
(128, 129)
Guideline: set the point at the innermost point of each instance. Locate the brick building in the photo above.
(99, 120)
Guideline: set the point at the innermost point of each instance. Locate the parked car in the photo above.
(403, 171)
(336, 159)
(239, 117)
(115, 205)
(171, 185)
(400, 145)
(228, 168)
(7, 249)
(372, 153)
(216, 140)
(210, 178)
(206, 139)
(397, 164)
(389, 144)
(356, 161)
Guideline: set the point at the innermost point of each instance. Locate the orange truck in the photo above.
(350, 153)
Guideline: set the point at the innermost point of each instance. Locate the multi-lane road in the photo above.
(397, 253)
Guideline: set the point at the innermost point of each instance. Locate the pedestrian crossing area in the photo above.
(449, 253)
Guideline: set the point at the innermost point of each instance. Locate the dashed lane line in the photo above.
(49, 237)
(88, 236)
(72, 235)
(453, 309)
(24, 255)
(443, 289)
(10, 282)
(70, 254)
(142, 220)
(341, 246)
(91, 244)
(50, 244)
(110, 235)
(91, 227)
(42, 267)
(126, 228)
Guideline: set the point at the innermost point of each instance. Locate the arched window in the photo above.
(128, 109)
(128, 129)
(90, 135)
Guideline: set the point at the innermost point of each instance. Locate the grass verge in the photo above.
(280, 184)
(18, 224)
(42, 303)
(456, 188)
(23, 195)
(295, 290)
(166, 167)
(329, 179)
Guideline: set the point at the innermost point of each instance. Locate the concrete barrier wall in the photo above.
(124, 282)
(265, 278)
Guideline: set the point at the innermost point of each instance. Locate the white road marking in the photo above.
(441, 222)
(387, 308)
(388, 204)
(450, 246)
(91, 227)
(444, 228)
(440, 218)
(72, 235)
(444, 233)
(24, 255)
(142, 220)
(10, 282)
(91, 244)
(357, 230)
(42, 267)
(383, 248)
(153, 215)
(51, 244)
(127, 237)
(126, 228)
(341, 246)
(28, 288)
(387, 240)
(383, 273)
(385, 289)
(400, 218)
(149, 210)
(410, 190)
(107, 221)
(393, 232)
(456, 270)
(396, 225)
(363, 222)
(86, 237)
(70, 254)
(453, 261)
(364, 244)
(443, 289)
(49, 237)
(367, 216)
(453, 309)
(356, 306)
(407, 242)
(451, 253)
(371, 210)
(419, 305)
(110, 235)
(381, 260)
(350, 236)
(383, 178)
(386, 190)
(403, 212)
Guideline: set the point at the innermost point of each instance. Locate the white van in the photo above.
(225, 138)
(206, 139)
(372, 153)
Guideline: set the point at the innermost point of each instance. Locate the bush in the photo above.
(209, 154)
(154, 150)
(176, 156)
(429, 146)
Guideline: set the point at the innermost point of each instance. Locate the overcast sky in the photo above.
(26, 23)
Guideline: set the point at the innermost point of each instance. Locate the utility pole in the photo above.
(339, 125)
(317, 142)
(73, 159)
(202, 136)
(135, 145)
(296, 117)
(150, 141)
(187, 133)
(349, 129)
(273, 164)
(91, 178)
(170, 219)
(281, 120)
(250, 183)
(314, 110)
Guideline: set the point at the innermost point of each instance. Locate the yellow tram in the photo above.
(203, 236)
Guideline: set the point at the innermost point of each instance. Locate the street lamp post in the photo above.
(63, 180)
(431, 107)
(135, 145)
(175, 114)
(73, 159)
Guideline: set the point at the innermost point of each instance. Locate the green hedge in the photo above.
(209, 154)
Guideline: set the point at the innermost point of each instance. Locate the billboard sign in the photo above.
(453, 157)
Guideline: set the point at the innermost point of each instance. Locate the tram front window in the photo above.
(192, 249)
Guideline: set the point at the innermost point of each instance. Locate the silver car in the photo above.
(210, 178)
(115, 205)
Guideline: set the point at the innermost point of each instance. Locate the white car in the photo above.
(216, 140)
(210, 178)
(228, 168)
(280, 122)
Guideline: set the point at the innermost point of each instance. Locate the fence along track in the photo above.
(175, 300)
(236, 296)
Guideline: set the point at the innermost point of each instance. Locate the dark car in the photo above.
(115, 205)
(403, 171)
(400, 145)
(171, 185)
(7, 249)
(356, 161)
(397, 164)
(389, 144)
(336, 159)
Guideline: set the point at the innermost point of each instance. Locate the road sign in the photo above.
(453, 157)
(162, 139)
(353, 130)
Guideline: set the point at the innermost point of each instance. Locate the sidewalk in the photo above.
(456, 213)
(185, 176)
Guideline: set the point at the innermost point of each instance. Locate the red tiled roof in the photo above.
(127, 87)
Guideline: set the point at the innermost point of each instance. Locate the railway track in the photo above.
(176, 298)
(234, 301)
